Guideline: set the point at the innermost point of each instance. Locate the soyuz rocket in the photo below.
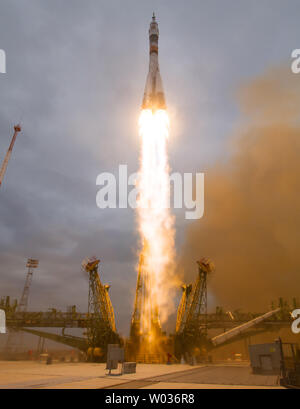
(154, 97)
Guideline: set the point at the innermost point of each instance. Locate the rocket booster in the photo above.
(154, 97)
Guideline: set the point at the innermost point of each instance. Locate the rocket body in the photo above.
(154, 97)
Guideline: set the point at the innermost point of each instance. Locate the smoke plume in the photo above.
(251, 226)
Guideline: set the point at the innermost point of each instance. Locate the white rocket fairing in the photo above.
(154, 97)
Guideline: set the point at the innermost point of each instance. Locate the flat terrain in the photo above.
(33, 375)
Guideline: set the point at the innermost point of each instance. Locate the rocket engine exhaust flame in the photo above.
(154, 218)
(155, 221)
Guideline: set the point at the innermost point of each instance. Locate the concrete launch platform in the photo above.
(33, 375)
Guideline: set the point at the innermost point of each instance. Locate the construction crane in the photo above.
(17, 129)
(102, 328)
(191, 324)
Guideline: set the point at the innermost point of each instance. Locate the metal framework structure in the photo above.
(137, 311)
(192, 318)
(17, 129)
(15, 339)
(197, 310)
(31, 265)
(192, 310)
(145, 317)
(183, 306)
(62, 319)
(191, 324)
(102, 327)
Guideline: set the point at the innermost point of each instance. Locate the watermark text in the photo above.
(296, 323)
(2, 322)
(186, 192)
(295, 67)
(2, 62)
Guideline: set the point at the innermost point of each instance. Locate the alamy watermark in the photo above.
(2, 322)
(186, 192)
(296, 323)
(2, 62)
(295, 67)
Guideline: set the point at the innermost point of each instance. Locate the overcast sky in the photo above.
(75, 77)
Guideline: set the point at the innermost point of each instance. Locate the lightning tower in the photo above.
(14, 342)
(31, 265)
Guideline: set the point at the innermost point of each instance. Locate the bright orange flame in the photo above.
(156, 224)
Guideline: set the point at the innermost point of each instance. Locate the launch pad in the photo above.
(190, 340)
(33, 375)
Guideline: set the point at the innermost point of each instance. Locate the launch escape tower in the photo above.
(191, 324)
(102, 327)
